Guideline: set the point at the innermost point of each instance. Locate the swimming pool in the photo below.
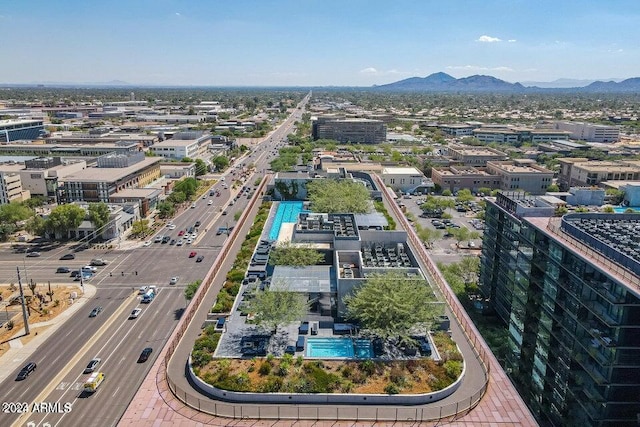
(287, 212)
(360, 348)
(621, 210)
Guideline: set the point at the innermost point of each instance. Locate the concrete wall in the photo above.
(323, 398)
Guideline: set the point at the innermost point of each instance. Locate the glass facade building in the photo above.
(568, 290)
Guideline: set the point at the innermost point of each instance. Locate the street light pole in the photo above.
(25, 317)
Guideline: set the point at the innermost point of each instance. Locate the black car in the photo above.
(197, 224)
(95, 311)
(68, 256)
(224, 212)
(24, 372)
(75, 273)
(63, 270)
(172, 242)
(145, 355)
(200, 258)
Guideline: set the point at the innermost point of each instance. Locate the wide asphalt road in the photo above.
(111, 335)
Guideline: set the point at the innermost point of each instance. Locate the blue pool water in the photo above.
(621, 210)
(339, 347)
(287, 212)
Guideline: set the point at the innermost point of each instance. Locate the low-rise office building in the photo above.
(406, 179)
(179, 170)
(580, 171)
(456, 178)
(99, 184)
(356, 131)
(183, 144)
(590, 132)
(475, 156)
(14, 130)
(516, 175)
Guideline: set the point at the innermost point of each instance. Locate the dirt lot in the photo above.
(49, 308)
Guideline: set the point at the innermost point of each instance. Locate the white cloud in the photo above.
(480, 68)
(488, 39)
(178, 14)
(369, 70)
(512, 40)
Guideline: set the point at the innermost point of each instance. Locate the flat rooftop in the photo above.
(110, 174)
(313, 278)
(401, 171)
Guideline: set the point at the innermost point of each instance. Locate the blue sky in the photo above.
(315, 42)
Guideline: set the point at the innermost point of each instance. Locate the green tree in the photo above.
(34, 202)
(428, 235)
(140, 228)
(14, 212)
(98, 215)
(553, 188)
(338, 196)
(446, 193)
(201, 167)
(464, 196)
(295, 255)
(176, 197)
(64, 218)
(188, 186)
(36, 225)
(220, 163)
(390, 305)
(6, 230)
(165, 209)
(463, 234)
(274, 308)
(191, 289)
(607, 209)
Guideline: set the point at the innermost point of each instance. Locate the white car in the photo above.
(147, 243)
(143, 290)
(172, 226)
(210, 202)
(180, 242)
(173, 280)
(194, 235)
(135, 313)
(89, 268)
(189, 241)
(193, 205)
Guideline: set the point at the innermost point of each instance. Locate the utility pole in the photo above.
(24, 307)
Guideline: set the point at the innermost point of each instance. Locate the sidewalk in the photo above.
(18, 354)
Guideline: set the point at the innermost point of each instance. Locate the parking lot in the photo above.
(446, 249)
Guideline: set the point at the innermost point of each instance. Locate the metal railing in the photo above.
(430, 412)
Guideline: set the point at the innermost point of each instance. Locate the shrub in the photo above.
(299, 360)
(347, 371)
(391, 388)
(453, 368)
(200, 358)
(368, 367)
(265, 368)
(56, 303)
(397, 376)
(272, 385)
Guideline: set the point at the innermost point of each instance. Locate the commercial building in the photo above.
(457, 129)
(568, 290)
(99, 184)
(475, 156)
(499, 135)
(178, 170)
(513, 135)
(524, 176)
(581, 171)
(101, 136)
(13, 130)
(11, 188)
(456, 178)
(70, 150)
(590, 132)
(183, 144)
(356, 131)
(406, 179)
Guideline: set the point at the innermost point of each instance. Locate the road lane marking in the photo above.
(74, 360)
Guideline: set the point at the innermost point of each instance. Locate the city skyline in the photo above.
(314, 43)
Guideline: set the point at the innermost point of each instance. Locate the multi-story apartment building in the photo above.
(568, 290)
(357, 131)
(13, 130)
(581, 171)
(98, 184)
(590, 132)
(10, 187)
(475, 156)
(516, 175)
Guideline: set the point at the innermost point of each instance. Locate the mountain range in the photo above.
(443, 82)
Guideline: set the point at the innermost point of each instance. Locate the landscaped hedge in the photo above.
(228, 293)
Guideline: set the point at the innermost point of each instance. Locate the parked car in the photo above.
(173, 280)
(33, 254)
(181, 233)
(95, 311)
(200, 258)
(144, 356)
(68, 256)
(180, 242)
(192, 254)
(63, 270)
